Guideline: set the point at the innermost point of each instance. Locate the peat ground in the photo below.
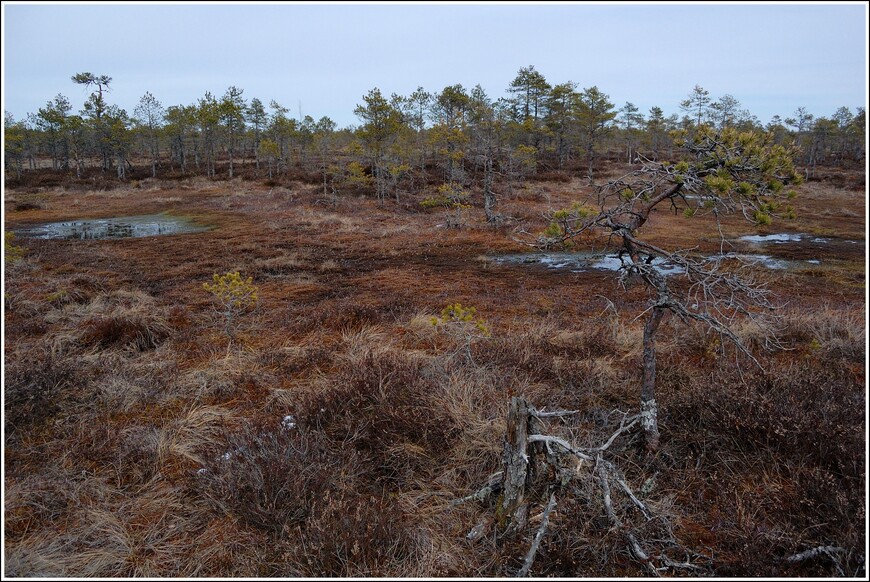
(139, 441)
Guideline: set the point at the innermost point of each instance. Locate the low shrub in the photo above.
(384, 406)
(34, 384)
(269, 478)
(356, 535)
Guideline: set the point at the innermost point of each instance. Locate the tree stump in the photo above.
(512, 512)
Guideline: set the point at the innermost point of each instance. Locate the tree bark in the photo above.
(512, 512)
(231, 157)
(488, 195)
(648, 406)
(589, 159)
(122, 173)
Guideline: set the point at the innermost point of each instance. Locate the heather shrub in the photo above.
(385, 407)
(356, 535)
(269, 478)
(35, 384)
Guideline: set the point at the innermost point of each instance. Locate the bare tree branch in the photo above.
(533, 550)
(541, 438)
(829, 551)
(640, 554)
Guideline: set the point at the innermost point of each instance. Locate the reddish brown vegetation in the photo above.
(136, 444)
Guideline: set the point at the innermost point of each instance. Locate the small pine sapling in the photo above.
(234, 296)
(461, 322)
(452, 198)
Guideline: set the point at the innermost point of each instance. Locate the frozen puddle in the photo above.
(112, 228)
(763, 260)
(580, 262)
(785, 237)
(774, 238)
(584, 262)
(613, 263)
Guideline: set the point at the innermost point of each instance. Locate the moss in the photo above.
(11, 252)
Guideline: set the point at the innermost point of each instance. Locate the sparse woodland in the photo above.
(340, 379)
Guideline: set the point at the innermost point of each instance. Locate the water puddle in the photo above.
(580, 262)
(585, 261)
(588, 261)
(762, 260)
(113, 228)
(785, 237)
(778, 238)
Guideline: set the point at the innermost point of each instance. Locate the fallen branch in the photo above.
(542, 414)
(545, 520)
(481, 494)
(669, 563)
(492, 486)
(640, 504)
(828, 551)
(640, 554)
(806, 555)
(622, 428)
(543, 438)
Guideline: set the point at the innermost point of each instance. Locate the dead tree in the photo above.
(517, 460)
(539, 469)
(723, 171)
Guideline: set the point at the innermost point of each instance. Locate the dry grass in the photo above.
(186, 464)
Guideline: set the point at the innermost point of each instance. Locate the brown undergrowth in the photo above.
(331, 436)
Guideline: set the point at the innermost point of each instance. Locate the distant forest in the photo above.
(454, 136)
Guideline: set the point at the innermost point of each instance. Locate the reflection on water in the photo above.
(112, 228)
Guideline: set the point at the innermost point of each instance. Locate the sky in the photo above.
(321, 59)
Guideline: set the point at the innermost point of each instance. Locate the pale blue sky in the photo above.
(773, 58)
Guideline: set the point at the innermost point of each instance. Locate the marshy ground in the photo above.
(330, 437)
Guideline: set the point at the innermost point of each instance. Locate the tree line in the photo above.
(458, 134)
